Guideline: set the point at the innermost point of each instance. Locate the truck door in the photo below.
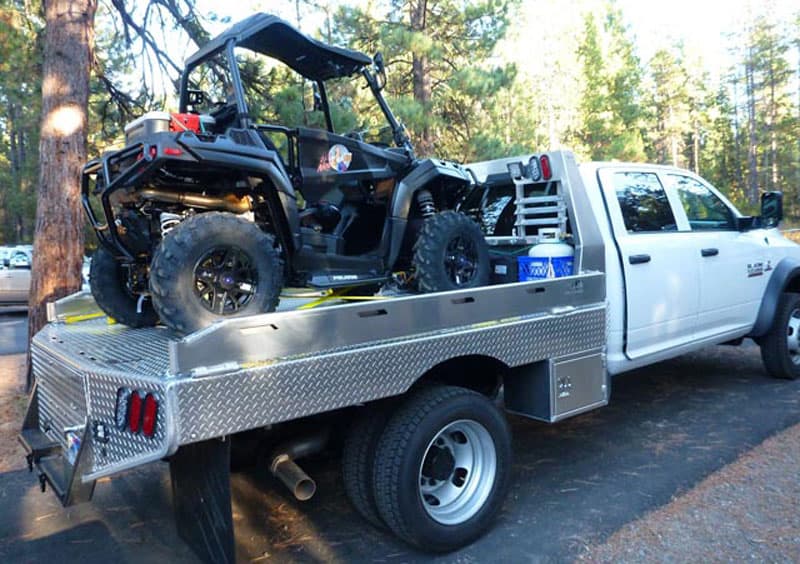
(733, 267)
(658, 258)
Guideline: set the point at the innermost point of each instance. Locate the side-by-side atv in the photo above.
(207, 213)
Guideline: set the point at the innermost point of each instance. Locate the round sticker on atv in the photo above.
(339, 157)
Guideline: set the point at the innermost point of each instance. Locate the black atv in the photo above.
(207, 213)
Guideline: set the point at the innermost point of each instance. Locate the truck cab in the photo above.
(684, 268)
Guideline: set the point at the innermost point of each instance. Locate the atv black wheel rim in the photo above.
(225, 280)
(461, 260)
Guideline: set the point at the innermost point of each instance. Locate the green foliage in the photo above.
(610, 112)
(768, 151)
(20, 109)
(442, 78)
(470, 79)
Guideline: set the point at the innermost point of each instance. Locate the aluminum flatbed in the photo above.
(109, 398)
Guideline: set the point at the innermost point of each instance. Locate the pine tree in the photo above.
(610, 110)
(437, 54)
(669, 106)
(20, 108)
(770, 128)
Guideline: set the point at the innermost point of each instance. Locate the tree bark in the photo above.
(58, 241)
(752, 150)
(421, 78)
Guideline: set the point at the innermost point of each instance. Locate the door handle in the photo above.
(638, 259)
(711, 252)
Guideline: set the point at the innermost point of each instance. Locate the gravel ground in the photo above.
(747, 511)
(12, 408)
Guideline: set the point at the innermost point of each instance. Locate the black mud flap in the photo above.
(201, 495)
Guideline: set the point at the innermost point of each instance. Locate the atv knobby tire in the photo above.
(109, 284)
(194, 257)
(450, 254)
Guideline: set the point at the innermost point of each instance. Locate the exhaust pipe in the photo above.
(228, 202)
(283, 466)
(287, 471)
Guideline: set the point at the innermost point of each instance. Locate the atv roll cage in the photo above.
(314, 60)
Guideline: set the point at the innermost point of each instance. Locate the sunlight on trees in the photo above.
(471, 80)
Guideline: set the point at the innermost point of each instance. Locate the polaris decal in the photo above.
(338, 159)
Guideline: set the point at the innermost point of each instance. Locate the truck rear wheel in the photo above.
(109, 284)
(214, 266)
(358, 461)
(450, 253)
(442, 468)
(780, 347)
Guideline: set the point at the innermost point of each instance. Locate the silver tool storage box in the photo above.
(149, 123)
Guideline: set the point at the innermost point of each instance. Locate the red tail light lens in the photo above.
(173, 151)
(544, 163)
(134, 412)
(150, 415)
(137, 412)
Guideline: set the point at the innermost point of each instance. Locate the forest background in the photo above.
(471, 80)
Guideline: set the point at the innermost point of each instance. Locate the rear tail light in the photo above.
(544, 164)
(136, 412)
(149, 415)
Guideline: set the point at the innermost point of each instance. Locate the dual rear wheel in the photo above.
(434, 469)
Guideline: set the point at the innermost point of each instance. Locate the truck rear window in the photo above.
(643, 202)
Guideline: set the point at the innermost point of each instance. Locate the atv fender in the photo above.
(424, 172)
(243, 149)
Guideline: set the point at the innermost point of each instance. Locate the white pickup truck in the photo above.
(663, 264)
(685, 269)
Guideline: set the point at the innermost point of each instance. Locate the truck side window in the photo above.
(643, 202)
(704, 209)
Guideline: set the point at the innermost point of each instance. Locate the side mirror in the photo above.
(771, 209)
(380, 69)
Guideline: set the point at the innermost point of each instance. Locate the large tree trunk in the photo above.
(58, 242)
(421, 78)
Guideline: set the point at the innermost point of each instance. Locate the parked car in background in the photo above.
(21, 257)
(15, 275)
